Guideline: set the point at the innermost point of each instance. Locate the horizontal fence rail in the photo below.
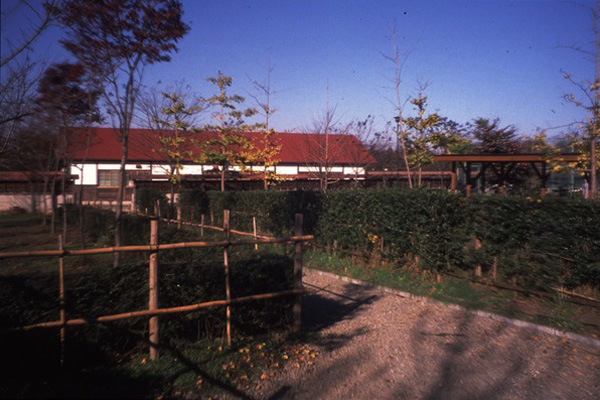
(160, 247)
(154, 248)
(156, 312)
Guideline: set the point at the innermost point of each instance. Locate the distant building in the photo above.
(95, 154)
(31, 190)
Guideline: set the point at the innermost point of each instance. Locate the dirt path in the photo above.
(373, 345)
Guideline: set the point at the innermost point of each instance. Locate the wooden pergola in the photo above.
(502, 165)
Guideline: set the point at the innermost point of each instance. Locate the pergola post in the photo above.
(453, 177)
(468, 179)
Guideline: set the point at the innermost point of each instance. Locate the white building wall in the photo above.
(88, 173)
(354, 171)
(192, 169)
(158, 169)
(287, 169)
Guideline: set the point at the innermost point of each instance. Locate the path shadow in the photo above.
(323, 307)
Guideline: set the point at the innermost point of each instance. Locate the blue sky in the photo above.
(495, 58)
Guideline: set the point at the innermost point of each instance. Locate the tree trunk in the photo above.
(45, 204)
(80, 212)
(593, 158)
(266, 181)
(223, 178)
(172, 200)
(120, 195)
(593, 154)
(53, 204)
(64, 207)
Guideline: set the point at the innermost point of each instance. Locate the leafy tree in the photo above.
(170, 120)
(427, 135)
(589, 98)
(491, 138)
(64, 99)
(267, 151)
(584, 140)
(229, 147)
(114, 40)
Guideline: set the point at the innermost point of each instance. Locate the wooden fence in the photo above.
(154, 311)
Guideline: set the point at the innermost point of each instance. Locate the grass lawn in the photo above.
(557, 312)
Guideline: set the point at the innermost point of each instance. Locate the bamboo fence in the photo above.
(154, 248)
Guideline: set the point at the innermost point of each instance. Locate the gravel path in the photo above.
(376, 345)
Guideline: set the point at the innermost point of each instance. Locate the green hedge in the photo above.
(539, 242)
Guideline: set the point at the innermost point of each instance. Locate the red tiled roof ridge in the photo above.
(148, 130)
(297, 148)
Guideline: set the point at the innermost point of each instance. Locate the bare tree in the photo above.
(268, 148)
(367, 136)
(17, 92)
(38, 20)
(18, 71)
(398, 59)
(322, 149)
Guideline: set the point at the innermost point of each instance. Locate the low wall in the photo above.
(31, 203)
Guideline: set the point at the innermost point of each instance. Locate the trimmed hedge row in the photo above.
(539, 242)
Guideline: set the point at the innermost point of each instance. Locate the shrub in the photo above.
(554, 241)
(145, 199)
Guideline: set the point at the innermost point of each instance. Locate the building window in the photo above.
(108, 178)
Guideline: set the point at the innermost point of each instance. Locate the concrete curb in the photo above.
(516, 322)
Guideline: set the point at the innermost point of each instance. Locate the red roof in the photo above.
(26, 176)
(296, 148)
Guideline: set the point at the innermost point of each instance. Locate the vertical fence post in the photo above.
(495, 268)
(297, 274)
(61, 301)
(178, 215)
(153, 290)
(226, 264)
(477, 245)
(202, 225)
(254, 227)
(157, 208)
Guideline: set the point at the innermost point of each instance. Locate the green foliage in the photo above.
(275, 210)
(228, 147)
(541, 243)
(145, 199)
(194, 200)
(429, 135)
(491, 138)
(172, 129)
(402, 223)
